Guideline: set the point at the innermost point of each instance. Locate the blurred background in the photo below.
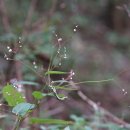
(94, 35)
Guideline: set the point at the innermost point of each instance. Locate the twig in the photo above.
(99, 108)
(17, 123)
(18, 64)
(4, 17)
(6, 25)
(29, 16)
(107, 113)
(53, 7)
(125, 8)
(46, 16)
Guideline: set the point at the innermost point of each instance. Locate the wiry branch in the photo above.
(6, 25)
(126, 9)
(107, 113)
(53, 7)
(96, 107)
(46, 16)
(28, 91)
(29, 16)
(4, 16)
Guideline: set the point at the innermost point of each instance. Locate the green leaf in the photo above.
(49, 121)
(27, 83)
(22, 108)
(12, 96)
(37, 95)
(55, 72)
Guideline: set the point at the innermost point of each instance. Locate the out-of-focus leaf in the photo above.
(87, 128)
(27, 83)
(67, 128)
(49, 121)
(12, 96)
(37, 95)
(22, 108)
(19, 56)
(8, 37)
(55, 72)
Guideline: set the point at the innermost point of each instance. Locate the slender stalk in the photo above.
(17, 123)
(95, 81)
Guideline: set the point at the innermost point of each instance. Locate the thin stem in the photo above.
(96, 81)
(93, 81)
(17, 123)
(105, 112)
